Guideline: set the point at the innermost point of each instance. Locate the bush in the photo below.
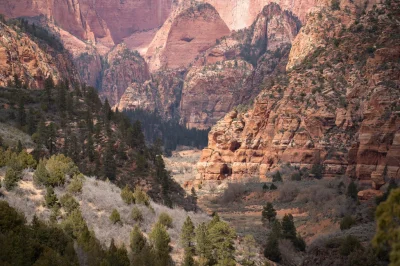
(296, 176)
(273, 187)
(165, 220)
(11, 179)
(277, 177)
(115, 217)
(127, 195)
(136, 215)
(41, 175)
(233, 192)
(58, 166)
(288, 192)
(26, 160)
(335, 5)
(50, 198)
(348, 245)
(317, 170)
(69, 203)
(299, 243)
(76, 184)
(347, 222)
(141, 197)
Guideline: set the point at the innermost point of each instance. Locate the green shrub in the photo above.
(317, 170)
(141, 197)
(50, 198)
(58, 166)
(136, 215)
(115, 217)
(41, 175)
(69, 203)
(127, 195)
(273, 187)
(11, 179)
(165, 220)
(277, 177)
(26, 160)
(76, 184)
(348, 245)
(347, 222)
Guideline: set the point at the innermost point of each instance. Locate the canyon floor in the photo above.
(316, 205)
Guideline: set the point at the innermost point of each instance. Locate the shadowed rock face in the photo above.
(338, 105)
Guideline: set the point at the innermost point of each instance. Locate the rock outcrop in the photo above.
(123, 68)
(338, 106)
(31, 59)
(162, 93)
(188, 32)
(210, 92)
(221, 78)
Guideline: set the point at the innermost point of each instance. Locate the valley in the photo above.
(209, 132)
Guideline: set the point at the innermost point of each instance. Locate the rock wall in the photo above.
(104, 21)
(338, 106)
(123, 67)
(30, 60)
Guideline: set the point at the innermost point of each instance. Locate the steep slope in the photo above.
(122, 68)
(338, 106)
(106, 22)
(222, 77)
(31, 55)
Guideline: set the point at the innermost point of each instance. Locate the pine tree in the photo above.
(17, 82)
(141, 252)
(31, 122)
(109, 167)
(41, 174)
(90, 147)
(50, 198)
(221, 237)
(268, 213)
(49, 87)
(352, 190)
(117, 256)
(203, 244)
(51, 138)
(271, 250)
(288, 228)
(160, 241)
(187, 236)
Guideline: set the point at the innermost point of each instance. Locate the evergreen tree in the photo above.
(187, 236)
(17, 82)
(50, 198)
(277, 177)
(48, 87)
(20, 148)
(109, 167)
(221, 237)
(117, 256)
(352, 190)
(90, 148)
(41, 175)
(268, 213)
(51, 138)
(31, 122)
(387, 236)
(160, 241)
(203, 244)
(288, 228)
(271, 250)
(141, 252)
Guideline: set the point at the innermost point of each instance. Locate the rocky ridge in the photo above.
(338, 106)
(31, 59)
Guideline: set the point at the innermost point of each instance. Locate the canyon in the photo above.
(276, 83)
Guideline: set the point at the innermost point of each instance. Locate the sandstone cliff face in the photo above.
(103, 21)
(32, 61)
(218, 83)
(239, 14)
(187, 33)
(338, 106)
(162, 92)
(210, 92)
(123, 67)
